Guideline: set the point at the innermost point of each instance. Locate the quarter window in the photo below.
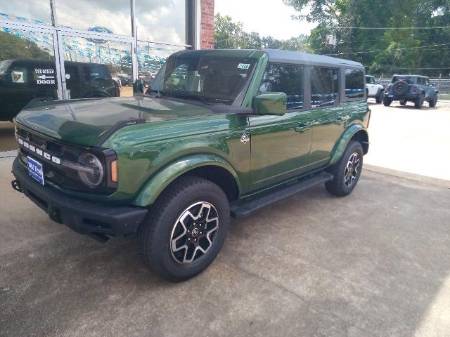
(324, 86)
(354, 83)
(287, 78)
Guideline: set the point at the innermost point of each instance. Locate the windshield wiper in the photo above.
(204, 99)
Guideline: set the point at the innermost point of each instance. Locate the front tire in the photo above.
(433, 102)
(346, 171)
(419, 101)
(186, 229)
(379, 97)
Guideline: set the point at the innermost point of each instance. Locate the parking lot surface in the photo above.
(376, 263)
(407, 139)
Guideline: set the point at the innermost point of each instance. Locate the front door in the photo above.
(280, 147)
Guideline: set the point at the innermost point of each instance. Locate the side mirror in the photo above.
(274, 103)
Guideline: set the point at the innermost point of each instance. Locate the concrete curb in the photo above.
(409, 176)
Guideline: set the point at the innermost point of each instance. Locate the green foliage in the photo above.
(229, 34)
(385, 50)
(16, 47)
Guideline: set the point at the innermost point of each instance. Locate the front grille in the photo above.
(54, 154)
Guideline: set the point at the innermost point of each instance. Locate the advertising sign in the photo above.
(44, 76)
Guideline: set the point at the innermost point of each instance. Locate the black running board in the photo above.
(245, 208)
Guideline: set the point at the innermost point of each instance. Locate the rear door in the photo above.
(326, 113)
(280, 145)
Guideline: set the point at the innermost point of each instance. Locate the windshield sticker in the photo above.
(17, 76)
(243, 66)
(44, 76)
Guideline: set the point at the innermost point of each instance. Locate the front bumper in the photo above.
(85, 217)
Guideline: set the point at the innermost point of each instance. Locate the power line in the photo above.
(424, 68)
(401, 48)
(392, 28)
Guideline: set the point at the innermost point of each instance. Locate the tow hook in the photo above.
(16, 185)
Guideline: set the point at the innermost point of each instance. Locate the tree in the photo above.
(16, 47)
(229, 34)
(382, 50)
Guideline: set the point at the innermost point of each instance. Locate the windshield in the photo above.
(4, 66)
(207, 78)
(370, 79)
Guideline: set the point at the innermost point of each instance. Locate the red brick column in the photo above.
(207, 24)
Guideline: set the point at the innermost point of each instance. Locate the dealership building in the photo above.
(66, 49)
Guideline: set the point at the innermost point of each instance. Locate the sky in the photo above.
(157, 20)
(266, 17)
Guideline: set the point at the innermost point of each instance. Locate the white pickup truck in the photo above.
(374, 90)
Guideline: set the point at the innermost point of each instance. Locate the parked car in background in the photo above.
(23, 81)
(374, 89)
(411, 88)
(226, 133)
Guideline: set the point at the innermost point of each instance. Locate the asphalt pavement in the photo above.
(376, 263)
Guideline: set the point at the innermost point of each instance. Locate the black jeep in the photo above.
(413, 88)
(23, 81)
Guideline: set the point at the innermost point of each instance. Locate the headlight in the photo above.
(91, 173)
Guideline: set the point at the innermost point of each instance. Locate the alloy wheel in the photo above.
(194, 232)
(352, 169)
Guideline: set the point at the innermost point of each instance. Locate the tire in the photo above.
(387, 101)
(432, 102)
(403, 102)
(379, 97)
(400, 88)
(344, 181)
(167, 241)
(419, 101)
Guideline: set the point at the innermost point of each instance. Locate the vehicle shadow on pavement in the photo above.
(369, 264)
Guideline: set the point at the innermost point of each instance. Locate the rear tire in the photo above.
(186, 228)
(403, 102)
(346, 171)
(387, 101)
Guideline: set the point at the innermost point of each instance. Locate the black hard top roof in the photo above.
(286, 56)
(276, 55)
(50, 62)
(400, 75)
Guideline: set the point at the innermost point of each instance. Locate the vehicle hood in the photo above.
(89, 122)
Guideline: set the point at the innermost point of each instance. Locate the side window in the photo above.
(354, 83)
(287, 78)
(177, 80)
(324, 86)
(19, 75)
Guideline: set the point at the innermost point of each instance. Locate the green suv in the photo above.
(222, 133)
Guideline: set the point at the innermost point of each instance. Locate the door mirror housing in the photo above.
(274, 103)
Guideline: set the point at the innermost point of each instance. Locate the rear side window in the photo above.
(354, 83)
(324, 86)
(287, 78)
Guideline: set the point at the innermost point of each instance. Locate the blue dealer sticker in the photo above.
(35, 170)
